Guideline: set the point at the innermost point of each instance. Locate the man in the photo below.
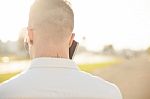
(52, 74)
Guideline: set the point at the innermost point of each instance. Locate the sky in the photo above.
(123, 23)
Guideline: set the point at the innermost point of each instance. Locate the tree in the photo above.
(109, 49)
(21, 39)
(148, 50)
(81, 49)
(0, 48)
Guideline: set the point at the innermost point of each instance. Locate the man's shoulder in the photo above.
(98, 84)
(7, 89)
(13, 86)
(95, 79)
(84, 84)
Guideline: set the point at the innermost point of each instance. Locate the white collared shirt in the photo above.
(54, 78)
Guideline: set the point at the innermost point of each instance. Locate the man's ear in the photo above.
(30, 34)
(71, 39)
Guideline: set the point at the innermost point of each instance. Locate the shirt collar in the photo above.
(47, 62)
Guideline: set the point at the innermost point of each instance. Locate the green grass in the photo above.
(91, 67)
(84, 67)
(4, 77)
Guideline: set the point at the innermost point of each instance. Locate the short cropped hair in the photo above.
(55, 16)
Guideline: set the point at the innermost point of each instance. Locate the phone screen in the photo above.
(72, 49)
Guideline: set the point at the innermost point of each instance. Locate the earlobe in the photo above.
(71, 39)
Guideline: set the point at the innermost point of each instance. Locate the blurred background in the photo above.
(114, 38)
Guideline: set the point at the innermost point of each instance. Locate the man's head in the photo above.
(50, 28)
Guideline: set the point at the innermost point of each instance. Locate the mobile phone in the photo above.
(72, 49)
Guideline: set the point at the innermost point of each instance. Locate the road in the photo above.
(132, 77)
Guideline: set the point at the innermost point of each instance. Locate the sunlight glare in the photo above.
(5, 59)
(100, 22)
(14, 17)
